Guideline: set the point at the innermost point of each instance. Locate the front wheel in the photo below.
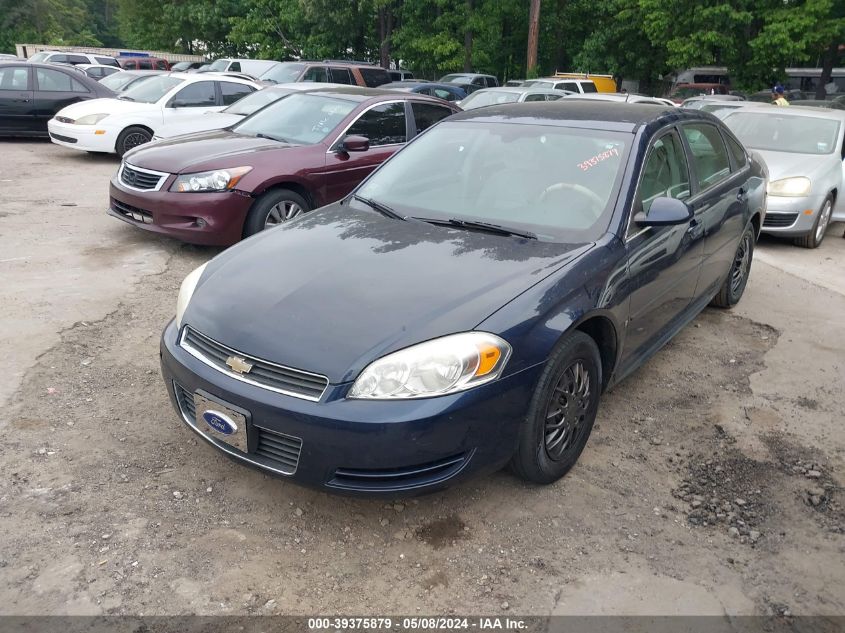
(274, 208)
(562, 411)
(132, 136)
(731, 291)
(814, 238)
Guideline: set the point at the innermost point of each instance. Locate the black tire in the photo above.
(542, 456)
(131, 137)
(731, 291)
(282, 201)
(814, 238)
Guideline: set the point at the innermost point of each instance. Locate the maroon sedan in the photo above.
(296, 154)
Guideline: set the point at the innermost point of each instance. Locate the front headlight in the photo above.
(217, 180)
(186, 291)
(798, 186)
(90, 119)
(434, 368)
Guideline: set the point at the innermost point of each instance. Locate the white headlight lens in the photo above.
(186, 291)
(91, 119)
(434, 368)
(218, 180)
(798, 186)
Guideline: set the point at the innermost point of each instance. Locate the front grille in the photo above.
(133, 213)
(63, 139)
(286, 380)
(779, 220)
(276, 451)
(64, 119)
(186, 402)
(140, 179)
(398, 478)
(282, 450)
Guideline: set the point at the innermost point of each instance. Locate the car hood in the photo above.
(186, 153)
(338, 288)
(787, 164)
(200, 123)
(105, 106)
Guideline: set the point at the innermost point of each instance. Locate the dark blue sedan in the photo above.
(467, 305)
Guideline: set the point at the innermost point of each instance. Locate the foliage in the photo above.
(632, 39)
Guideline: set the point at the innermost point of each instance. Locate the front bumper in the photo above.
(211, 219)
(791, 217)
(359, 446)
(83, 137)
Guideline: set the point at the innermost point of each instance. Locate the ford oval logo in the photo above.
(220, 422)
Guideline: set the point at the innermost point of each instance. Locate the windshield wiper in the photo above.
(125, 98)
(278, 139)
(381, 208)
(496, 229)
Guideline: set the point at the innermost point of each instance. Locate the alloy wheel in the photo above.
(282, 212)
(742, 261)
(824, 220)
(134, 140)
(567, 410)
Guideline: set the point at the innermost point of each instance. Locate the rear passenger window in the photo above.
(711, 157)
(232, 91)
(571, 86)
(316, 73)
(427, 114)
(442, 94)
(536, 97)
(342, 76)
(105, 61)
(383, 125)
(374, 77)
(14, 78)
(78, 59)
(161, 64)
(589, 87)
(737, 152)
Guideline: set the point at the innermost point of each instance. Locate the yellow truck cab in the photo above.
(603, 83)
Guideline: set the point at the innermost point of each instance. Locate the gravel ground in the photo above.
(712, 483)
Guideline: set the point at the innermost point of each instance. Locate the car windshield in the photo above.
(784, 133)
(303, 119)
(152, 90)
(39, 57)
(556, 182)
(488, 97)
(119, 80)
(219, 66)
(257, 100)
(286, 72)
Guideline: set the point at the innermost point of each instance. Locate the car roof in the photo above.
(796, 110)
(583, 113)
(359, 94)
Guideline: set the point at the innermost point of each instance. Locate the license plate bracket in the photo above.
(221, 421)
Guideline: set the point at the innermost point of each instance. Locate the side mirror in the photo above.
(354, 143)
(178, 103)
(665, 212)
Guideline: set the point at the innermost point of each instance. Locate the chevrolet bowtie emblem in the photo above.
(238, 364)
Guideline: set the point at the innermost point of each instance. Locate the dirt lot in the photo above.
(712, 483)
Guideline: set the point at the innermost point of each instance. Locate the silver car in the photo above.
(803, 149)
(498, 96)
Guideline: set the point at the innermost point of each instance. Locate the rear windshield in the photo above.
(151, 90)
(784, 133)
(302, 119)
(284, 73)
(559, 183)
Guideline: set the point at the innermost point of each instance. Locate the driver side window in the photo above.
(665, 173)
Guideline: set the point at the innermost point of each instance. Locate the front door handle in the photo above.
(741, 195)
(695, 229)
(20, 100)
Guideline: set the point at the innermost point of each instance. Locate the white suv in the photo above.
(557, 83)
(53, 57)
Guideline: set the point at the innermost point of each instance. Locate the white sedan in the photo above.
(132, 119)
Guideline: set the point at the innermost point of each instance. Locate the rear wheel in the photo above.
(731, 291)
(132, 136)
(814, 238)
(562, 411)
(275, 207)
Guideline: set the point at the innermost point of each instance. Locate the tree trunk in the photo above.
(468, 39)
(533, 36)
(827, 69)
(560, 38)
